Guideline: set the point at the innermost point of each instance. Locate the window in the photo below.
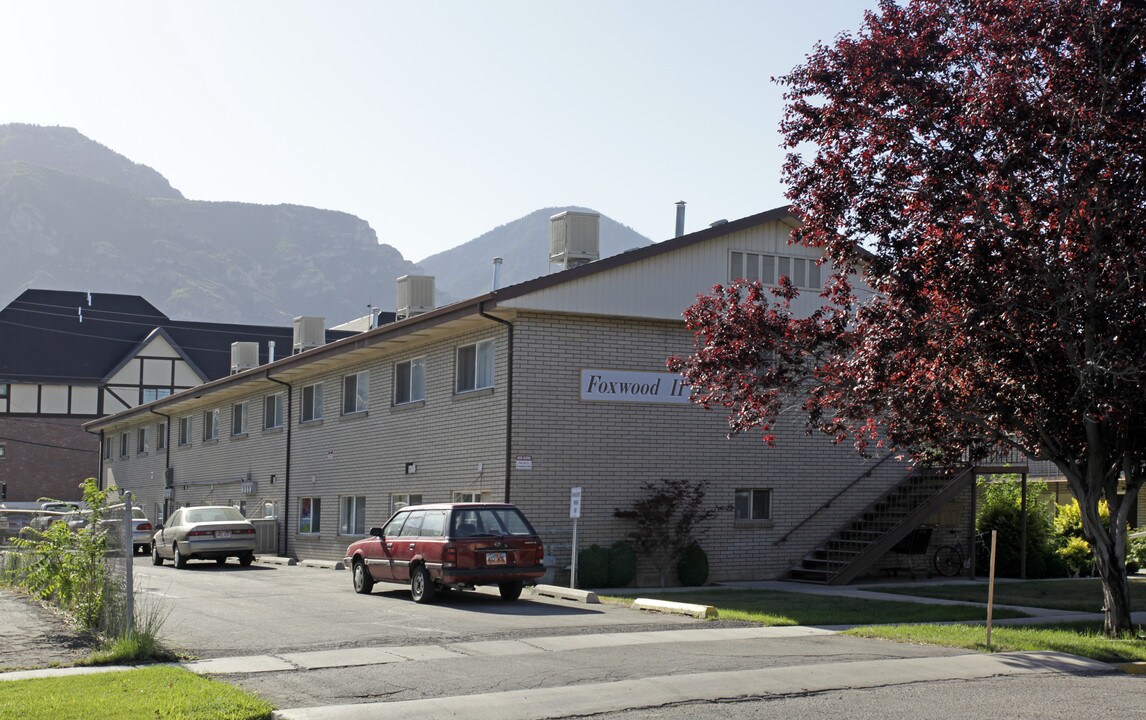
(410, 381)
(273, 411)
(470, 495)
(211, 424)
(151, 393)
(352, 515)
(123, 445)
(309, 516)
(239, 418)
(108, 448)
(311, 403)
(753, 505)
(141, 441)
(401, 500)
(185, 431)
(804, 272)
(355, 393)
(3, 450)
(475, 366)
(161, 437)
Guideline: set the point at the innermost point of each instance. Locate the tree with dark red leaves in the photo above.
(981, 166)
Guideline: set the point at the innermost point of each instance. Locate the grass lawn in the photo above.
(155, 692)
(1083, 639)
(770, 607)
(1083, 594)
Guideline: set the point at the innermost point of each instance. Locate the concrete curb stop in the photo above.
(277, 560)
(679, 608)
(322, 564)
(584, 596)
(1132, 668)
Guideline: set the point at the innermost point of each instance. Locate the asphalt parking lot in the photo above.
(210, 610)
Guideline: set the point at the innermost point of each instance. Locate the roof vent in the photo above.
(309, 332)
(244, 356)
(574, 238)
(415, 295)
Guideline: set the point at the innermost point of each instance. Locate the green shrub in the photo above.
(1001, 510)
(692, 568)
(622, 564)
(593, 567)
(1068, 519)
(1077, 555)
(1136, 555)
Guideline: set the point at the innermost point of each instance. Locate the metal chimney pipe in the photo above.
(496, 273)
(680, 218)
(270, 351)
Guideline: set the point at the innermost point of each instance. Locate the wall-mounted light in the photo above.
(411, 468)
(273, 478)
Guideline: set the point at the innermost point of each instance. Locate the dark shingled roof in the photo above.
(44, 340)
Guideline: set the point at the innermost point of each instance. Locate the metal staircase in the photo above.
(856, 547)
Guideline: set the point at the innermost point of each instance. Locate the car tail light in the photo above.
(245, 531)
(143, 526)
(449, 555)
(540, 554)
(201, 533)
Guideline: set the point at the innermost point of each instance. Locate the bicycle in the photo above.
(950, 560)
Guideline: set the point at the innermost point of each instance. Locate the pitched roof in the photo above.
(69, 337)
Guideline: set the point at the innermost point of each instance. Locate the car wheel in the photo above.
(363, 583)
(221, 561)
(247, 559)
(421, 585)
(156, 558)
(510, 590)
(180, 561)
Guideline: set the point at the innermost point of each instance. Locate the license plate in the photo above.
(222, 534)
(495, 558)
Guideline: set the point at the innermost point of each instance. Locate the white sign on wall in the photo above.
(634, 386)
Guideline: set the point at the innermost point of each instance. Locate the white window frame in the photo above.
(186, 430)
(273, 409)
(313, 515)
(123, 445)
(803, 271)
(748, 511)
(351, 514)
(316, 399)
(240, 413)
(141, 445)
(410, 381)
(356, 393)
(401, 500)
(161, 436)
(474, 367)
(211, 424)
(470, 495)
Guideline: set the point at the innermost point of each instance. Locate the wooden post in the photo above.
(991, 588)
(1023, 534)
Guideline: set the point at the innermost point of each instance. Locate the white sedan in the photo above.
(204, 533)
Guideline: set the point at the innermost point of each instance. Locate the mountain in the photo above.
(467, 270)
(75, 215)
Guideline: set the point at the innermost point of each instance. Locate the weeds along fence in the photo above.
(82, 562)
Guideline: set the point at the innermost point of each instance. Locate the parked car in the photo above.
(211, 532)
(141, 527)
(449, 545)
(51, 512)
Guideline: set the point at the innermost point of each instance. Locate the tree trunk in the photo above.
(1111, 567)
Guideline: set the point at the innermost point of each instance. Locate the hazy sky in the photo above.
(433, 121)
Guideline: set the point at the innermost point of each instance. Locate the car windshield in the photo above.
(470, 522)
(214, 514)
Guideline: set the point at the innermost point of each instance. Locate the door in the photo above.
(378, 559)
(403, 547)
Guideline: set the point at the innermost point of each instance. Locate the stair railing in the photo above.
(828, 503)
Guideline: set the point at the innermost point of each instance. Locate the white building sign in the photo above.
(634, 386)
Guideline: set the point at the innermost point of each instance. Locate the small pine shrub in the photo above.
(593, 567)
(622, 564)
(692, 568)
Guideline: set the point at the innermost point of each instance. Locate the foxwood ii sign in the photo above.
(631, 386)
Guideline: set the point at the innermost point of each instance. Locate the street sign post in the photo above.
(574, 513)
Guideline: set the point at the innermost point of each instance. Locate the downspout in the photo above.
(286, 486)
(508, 395)
(166, 466)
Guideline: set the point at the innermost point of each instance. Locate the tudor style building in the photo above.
(68, 357)
(522, 394)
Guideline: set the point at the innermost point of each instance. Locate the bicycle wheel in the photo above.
(948, 561)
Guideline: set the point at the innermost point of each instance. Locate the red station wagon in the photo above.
(449, 545)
